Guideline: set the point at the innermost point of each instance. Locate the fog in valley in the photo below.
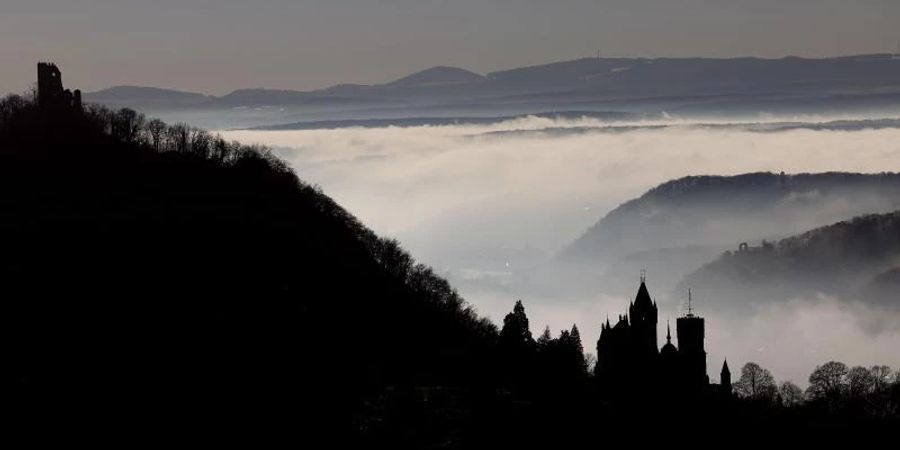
(493, 207)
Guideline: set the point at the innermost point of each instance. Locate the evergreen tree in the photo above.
(577, 350)
(576, 339)
(517, 348)
(545, 340)
(516, 334)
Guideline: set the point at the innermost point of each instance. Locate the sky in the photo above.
(216, 46)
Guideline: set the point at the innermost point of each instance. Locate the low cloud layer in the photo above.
(484, 203)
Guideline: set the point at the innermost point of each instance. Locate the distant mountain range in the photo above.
(147, 96)
(135, 96)
(638, 85)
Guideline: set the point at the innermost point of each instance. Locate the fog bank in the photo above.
(485, 203)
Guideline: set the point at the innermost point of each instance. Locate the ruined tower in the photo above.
(50, 87)
(51, 94)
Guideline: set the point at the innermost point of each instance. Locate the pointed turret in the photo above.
(669, 348)
(642, 299)
(725, 378)
(644, 314)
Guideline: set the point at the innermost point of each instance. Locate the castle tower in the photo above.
(690, 331)
(725, 379)
(51, 94)
(644, 315)
(615, 359)
(50, 87)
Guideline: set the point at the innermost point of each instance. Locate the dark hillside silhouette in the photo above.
(158, 277)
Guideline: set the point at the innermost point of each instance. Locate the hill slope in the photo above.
(189, 278)
(727, 210)
(440, 75)
(858, 259)
(678, 226)
(146, 97)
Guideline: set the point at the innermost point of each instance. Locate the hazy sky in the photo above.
(215, 46)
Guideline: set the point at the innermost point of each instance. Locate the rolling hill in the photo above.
(202, 282)
(678, 226)
(858, 259)
(727, 210)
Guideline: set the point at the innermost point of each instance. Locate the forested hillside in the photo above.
(856, 259)
(158, 273)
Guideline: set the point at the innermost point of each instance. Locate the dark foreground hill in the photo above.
(161, 278)
(857, 259)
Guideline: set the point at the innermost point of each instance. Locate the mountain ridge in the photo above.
(600, 78)
(691, 201)
(857, 258)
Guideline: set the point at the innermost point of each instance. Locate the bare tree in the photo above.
(828, 380)
(881, 377)
(860, 382)
(10, 105)
(755, 382)
(790, 394)
(393, 258)
(156, 129)
(127, 124)
(178, 137)
(201, 142)
(220, 149)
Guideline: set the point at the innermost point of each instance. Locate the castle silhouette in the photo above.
(627, 352)
(50, 91)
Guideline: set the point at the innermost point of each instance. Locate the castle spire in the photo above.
(642, 300)
(725, 378)
(690, 304)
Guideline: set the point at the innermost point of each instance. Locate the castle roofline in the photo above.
(642, 299)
